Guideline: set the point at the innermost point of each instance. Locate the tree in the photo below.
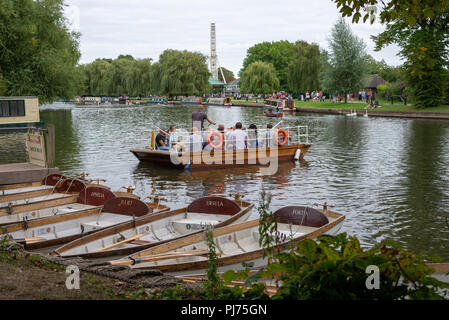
(424, 49)
(38, 53)
(410, 12)
(279, 54)
(182, 73)
(303, 71)
(228, 74)
(259, 78)
(347, 64)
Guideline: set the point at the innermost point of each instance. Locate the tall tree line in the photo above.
(176, 73)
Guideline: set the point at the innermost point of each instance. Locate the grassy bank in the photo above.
(383, 106)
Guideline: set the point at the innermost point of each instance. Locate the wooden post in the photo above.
(50, 145)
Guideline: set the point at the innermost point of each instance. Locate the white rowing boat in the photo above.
(153, 230)
(235, 243)
(100, 209)
(65, 193)
(29, 190)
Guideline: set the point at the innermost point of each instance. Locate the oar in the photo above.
(122, 242)
(157, 257)
(34, 239)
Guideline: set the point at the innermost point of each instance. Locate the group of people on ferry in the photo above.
(204, 138)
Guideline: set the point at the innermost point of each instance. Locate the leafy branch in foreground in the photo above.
(335, 268)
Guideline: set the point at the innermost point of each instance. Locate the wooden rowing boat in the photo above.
(236, 243)
(64, 193)
(225, 159)
(102, 209)
(156, 229)
(28, 190)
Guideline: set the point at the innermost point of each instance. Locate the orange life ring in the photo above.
(276, 135)
(220, 137)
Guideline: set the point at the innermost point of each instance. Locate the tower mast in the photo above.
(213, 52)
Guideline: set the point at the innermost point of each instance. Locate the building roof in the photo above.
(374, 81)
(214, 82)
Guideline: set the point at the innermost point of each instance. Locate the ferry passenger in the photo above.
(194, 141)
(238, 137)
(269, 136)
(252, 136)
(204, 136)
(198, 118)
(161, 143)
(172, 137)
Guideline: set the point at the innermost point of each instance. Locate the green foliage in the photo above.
(388, 73)
(411, 11)
(38, 53)
(213, 285)
(228, 74)
(347, 63)
(259, 78)
(334, 268)
(182, 73)
(424, 49)
(278, 53)
(304, 69)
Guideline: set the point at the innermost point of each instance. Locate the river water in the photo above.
(390, 177)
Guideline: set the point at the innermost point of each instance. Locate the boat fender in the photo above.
(297, 153)
(187, 166)
(10, 208)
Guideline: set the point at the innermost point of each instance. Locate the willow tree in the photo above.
(347, 60)
(228, 75)
(278, 53)
(38, 52)
(182, 73)
(259, 78)
(304, 70)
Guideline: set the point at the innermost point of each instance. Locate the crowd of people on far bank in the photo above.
(201, 138)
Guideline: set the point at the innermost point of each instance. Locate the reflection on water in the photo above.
(388, 176)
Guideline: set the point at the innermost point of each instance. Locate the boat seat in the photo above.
(184, 226)
(93, 225)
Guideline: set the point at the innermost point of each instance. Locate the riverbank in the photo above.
(384, 110)
(33, 276)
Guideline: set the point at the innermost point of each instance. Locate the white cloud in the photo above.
(145, 28)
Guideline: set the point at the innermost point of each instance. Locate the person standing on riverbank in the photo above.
(198, 118)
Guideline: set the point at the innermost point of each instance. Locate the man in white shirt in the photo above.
(238, 137)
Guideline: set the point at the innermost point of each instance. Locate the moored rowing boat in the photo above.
(102, 209)
(64, 193)
(29, 190)
(156, 229)
(236, 243)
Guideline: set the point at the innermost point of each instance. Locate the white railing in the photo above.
(228, 139)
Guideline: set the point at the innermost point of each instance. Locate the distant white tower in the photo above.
(213, 52)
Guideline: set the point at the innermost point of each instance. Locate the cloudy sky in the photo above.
(145, 28)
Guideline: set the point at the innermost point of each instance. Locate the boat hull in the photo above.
(227, 159)
(226, 236)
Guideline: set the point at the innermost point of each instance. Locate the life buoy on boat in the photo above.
(276, 136)
(220, 139)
